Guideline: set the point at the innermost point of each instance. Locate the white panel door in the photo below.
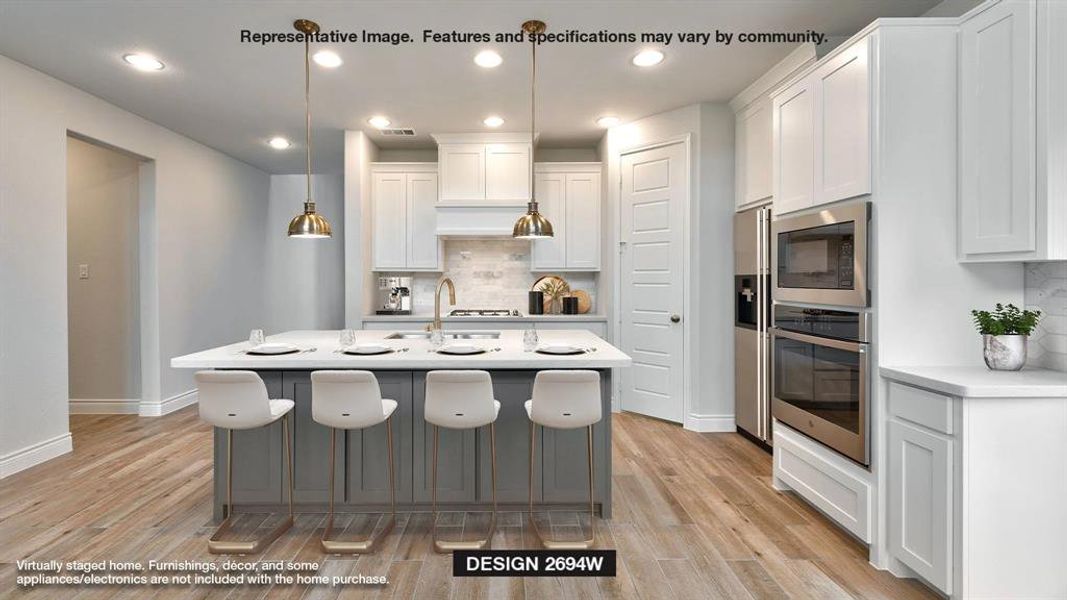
(794, 148)
(424, 247)
(507, 172)
(997, 130)
(842, 134)
(550, 254)
(462, 172)
(754, 147)
(652, 204)
(920, 503)
(389, 215)
(583, 221)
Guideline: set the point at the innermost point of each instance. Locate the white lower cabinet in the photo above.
(920, 497)
(404, 217)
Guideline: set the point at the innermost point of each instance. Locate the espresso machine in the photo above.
(394, 296)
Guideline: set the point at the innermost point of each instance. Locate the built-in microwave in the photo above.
(821, 257)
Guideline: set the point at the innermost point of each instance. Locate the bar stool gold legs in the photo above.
(444, 546)
(561, 544)
(217, 545)
(370, 544)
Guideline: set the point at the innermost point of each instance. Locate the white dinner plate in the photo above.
(461, 349)
(272, 348)
(368, 349)
(560, 349)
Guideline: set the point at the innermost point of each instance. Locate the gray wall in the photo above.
(305, 278)
(1046, 290)
(205, 211)
(103, 311)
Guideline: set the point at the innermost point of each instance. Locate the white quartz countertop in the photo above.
(980, 382)
(523, 319)
(418, 354)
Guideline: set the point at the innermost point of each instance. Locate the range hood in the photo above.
(477, 221)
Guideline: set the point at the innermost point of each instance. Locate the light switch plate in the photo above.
(83, 271)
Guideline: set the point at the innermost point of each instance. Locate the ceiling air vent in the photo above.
(403, 132)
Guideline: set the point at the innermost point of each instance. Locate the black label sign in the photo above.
(533, 563)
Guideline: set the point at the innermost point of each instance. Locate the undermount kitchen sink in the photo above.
(456, 335)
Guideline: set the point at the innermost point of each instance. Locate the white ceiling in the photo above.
(233, 96)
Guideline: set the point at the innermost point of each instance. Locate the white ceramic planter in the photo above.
(1004, 352)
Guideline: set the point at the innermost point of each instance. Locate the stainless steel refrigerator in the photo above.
(752, 312)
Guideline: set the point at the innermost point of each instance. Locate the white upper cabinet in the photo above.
(1013, 178)
(484, 169)
(753, 148)
(822, 132)
(794, 148)
(404, 217)
(842, 135)
(568, 194)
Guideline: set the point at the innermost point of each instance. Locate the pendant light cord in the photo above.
(309, 205)
(533, 115)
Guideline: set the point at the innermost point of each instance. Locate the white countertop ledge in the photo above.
(421, 318)
(980, 382)
(418, 357)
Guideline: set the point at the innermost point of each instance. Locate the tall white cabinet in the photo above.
(568, 195)
(1013, 127)
(484, 169)
(404, 214)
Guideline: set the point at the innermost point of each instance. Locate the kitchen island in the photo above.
(560, 477)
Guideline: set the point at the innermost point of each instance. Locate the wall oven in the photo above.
(821, 258)
(820, 376)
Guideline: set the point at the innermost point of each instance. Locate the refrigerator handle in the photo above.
(760, 325)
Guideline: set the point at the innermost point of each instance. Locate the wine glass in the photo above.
(529, 340)
(348, 337)
(256, 338)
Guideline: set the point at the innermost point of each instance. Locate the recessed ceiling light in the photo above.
(493, 121)
(379, 122)
(488, 59)
(648, 58)
(608, 121)
(279, 143)
(328, 59)
(143, 62)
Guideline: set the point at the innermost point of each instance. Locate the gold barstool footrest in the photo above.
(446, 546)
(370, 544)
(217, 545)
(564, 544)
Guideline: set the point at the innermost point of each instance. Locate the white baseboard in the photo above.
(168, 405)
(27, 457)
(710, 423)
(96, 406)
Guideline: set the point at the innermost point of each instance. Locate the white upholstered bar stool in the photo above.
(461, 400)
(565, 400)
(352, 400)
(238, 400)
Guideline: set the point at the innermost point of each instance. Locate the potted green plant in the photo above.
(1004, 334)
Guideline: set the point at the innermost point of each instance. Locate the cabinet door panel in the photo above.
(389, 206)
(367, 450)
(997, 130)
(456, 460)
(842, 135)
(424, 247)
(512, 389)
(755, 145)
(583, 221)
(462, 172)
(311, 445)
(920, 506)
(507, 172)
(257, 457)
(794, 149)
(551, 253)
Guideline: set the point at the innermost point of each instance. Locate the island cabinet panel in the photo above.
(311, 443)
(367, 457)
(257, 458)
(456, 456)
(512, 389)
(565, 477)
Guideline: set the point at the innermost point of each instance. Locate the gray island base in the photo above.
(464, 465)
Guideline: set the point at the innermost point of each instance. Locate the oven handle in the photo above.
(820, 341)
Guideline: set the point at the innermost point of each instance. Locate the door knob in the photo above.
(676, 318)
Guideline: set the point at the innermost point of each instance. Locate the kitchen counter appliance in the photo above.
(821, 376)
(484, 312)
(752, 301)
(394, 296)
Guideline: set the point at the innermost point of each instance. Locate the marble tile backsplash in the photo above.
(1046, 290)
(489, 274)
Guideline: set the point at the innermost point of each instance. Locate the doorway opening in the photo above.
(103, 278)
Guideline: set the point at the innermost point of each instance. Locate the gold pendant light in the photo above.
(532, 225)
(309, 224)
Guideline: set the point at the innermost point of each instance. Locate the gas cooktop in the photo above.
(484, 312)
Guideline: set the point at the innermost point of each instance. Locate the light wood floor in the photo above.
(695, 517)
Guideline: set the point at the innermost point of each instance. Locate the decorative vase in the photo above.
(1004, 352)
